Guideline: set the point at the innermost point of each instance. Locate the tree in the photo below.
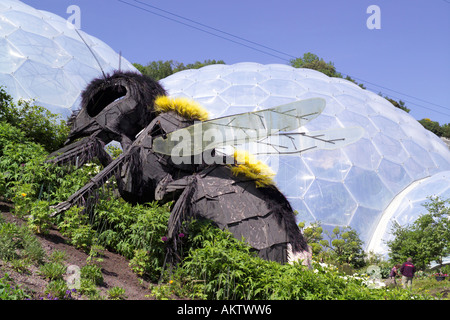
(432, 126)
(313, 236)
(156, 69)
(345, 246)
(312, 61)
(425, 240)
(398, 104)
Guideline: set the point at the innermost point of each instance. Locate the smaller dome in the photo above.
(43, 57)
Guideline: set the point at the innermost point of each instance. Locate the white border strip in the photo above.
(388, 212)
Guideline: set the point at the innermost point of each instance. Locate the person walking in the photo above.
(407, 270)
(394, 273)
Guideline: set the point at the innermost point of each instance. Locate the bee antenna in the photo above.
(92, 52)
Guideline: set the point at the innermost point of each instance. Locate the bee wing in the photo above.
(240, 128)
(300, 142)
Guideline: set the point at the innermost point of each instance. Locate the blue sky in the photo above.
(408, 58)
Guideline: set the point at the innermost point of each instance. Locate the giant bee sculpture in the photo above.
(203, 182)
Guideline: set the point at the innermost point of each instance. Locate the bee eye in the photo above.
(105, 97)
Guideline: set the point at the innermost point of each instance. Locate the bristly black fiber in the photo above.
(280, 206)
(142, 88)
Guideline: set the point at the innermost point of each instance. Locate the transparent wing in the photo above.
(300, 142)
(239, 129)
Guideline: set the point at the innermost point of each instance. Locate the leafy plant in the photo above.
(116, 293)
(93, 273)
(39, 220)
(139, 262)
(75, 226)
(10, 291)
(160, 292)
(426, 239)
(53, 270)
(39, 125)
(21, 265)
(58, 256)
(57, 289)
(89, 288)
(18, 243)
(8, 241)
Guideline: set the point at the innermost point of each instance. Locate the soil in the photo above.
(115, 268)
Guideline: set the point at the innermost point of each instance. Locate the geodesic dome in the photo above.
(353, 186)
(43, 58)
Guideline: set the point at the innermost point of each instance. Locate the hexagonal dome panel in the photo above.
(42, 58)
(352, 186)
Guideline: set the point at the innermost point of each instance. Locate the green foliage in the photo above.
(58, 256)
(312, 61)
(313, 235)
(114, 151)
(37, 123)
(139, 262)
(53, 270)
(10, 135)
(9, 241)
(344, 246)
(39, 220)
(92, 273)
(18, 163)
(116, 293)
(89, 288)
(134, 228)
(19, 243)
(10, 291)
(75, 225)
(218, 266)
(426, 239)
(57, 289)
(398, 104)
(161, 292)
(433, 126)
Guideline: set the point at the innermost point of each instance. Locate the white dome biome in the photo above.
(352, 186)
(43, 58)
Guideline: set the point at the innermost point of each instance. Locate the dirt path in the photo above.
(115, 269)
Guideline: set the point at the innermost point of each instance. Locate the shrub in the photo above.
(75, 225)
(139, 263)
(39, 220)
(53, 271)
(116, 293)
(38, 124)
(9, 241)
(57, 289)
(135, 231)
(93, 273)
(9, 290)
(19, 243)
(218, 266)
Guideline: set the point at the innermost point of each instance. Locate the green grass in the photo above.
(429, 285)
